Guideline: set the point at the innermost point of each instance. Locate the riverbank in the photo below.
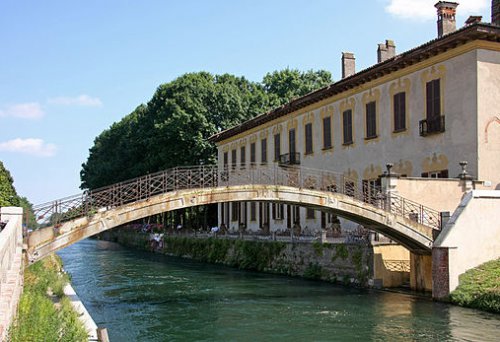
(357, 264)
(45, 313)
(480, 288)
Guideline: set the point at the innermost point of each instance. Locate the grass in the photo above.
(479, 288)
(38, 318)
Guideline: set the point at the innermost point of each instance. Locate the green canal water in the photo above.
(140, 296)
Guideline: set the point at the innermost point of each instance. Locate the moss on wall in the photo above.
(345, 263)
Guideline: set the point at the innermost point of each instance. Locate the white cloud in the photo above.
(33, 146)
(31, 110)
(424, 9)
(81, 100)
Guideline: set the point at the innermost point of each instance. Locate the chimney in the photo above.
(348, 64)
(446, 17)
(473, 19)
(386, 51)
(495, 12)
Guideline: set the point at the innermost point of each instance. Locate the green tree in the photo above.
(8, 194)
(288, 84)
(173, 127)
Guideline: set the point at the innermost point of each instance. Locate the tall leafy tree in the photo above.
(173, 127)
(288, 84)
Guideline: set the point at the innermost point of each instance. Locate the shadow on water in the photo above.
(141, 296)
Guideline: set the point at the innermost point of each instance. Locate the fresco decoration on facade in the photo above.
(435, 163)
(346, 104)
(399, 86)
(433, 73)
(291, 124)
(372, 95)
(494, 119)
(403, 167)
(372, 172)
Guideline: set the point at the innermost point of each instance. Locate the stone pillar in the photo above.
(440, 273)
(465, 178)
(420, 272)
(389, 182)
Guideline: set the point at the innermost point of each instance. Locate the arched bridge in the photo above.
(74, 218)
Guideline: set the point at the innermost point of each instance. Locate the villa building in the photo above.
(424, 111)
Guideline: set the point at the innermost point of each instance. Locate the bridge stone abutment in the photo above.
(471, 237)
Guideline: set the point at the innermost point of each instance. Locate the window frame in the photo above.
(399, 115)
(347, 127)
(327, 133)
(371, 120)
(308, 135)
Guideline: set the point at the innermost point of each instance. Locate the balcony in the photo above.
(432, 125)
(288, 159)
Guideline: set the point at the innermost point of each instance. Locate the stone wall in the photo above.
(341, 263)
(11, 266)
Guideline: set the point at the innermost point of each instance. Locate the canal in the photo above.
(140, 296)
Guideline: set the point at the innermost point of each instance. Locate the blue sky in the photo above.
(69, 69)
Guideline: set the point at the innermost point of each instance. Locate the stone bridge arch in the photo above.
(416, 237)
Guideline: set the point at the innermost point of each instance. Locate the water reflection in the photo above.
(140, 296)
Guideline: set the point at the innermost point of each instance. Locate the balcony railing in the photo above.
(289, 159)
(432, 125)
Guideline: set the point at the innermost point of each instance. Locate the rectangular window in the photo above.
(349, 188)
(327, 132)
(371, 190)
(291, 141)
(226, 160)
(263, 151)
(309, 138)
(252, 154)
(400, 112)
(435, 174)
(233, 159)
(253, 211)
(433, 99)
(235, 206)
(277, 211)
(277, 147)
(310, 214)
(371, 120)
(347, 125)
(242, 157)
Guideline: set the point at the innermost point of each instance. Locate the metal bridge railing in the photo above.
(209, 176)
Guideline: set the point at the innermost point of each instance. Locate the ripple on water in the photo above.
(144, 297)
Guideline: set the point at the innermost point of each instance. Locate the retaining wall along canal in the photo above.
(354, 263)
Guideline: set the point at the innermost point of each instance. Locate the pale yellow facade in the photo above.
(469, 96)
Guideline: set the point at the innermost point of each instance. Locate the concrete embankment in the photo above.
(82, 312)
